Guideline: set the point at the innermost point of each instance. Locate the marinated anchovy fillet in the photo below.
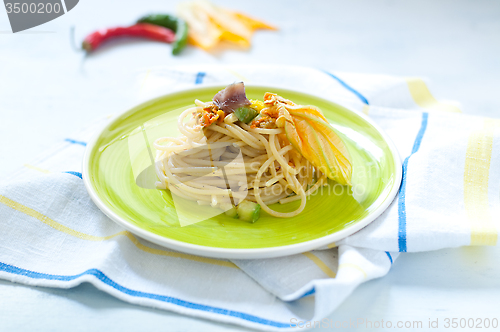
(231, 98)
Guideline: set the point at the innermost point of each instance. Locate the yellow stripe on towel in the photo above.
(320, 264)
(423, 97)
(476, 177)
(55, 225)
(353, 266)
(46, 171)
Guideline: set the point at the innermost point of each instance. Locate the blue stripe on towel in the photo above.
(402, 190)
(311, 292)
(72, 141)
(75, 174)
(389, 255)
(199, 77)
(348, 87)
(106, 280)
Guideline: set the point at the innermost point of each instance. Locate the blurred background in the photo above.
(48, 90)
(45, 86)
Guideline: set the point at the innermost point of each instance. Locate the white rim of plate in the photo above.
(231, 253)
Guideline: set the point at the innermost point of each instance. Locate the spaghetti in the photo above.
(219, 160)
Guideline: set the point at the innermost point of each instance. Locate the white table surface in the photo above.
(45, 96)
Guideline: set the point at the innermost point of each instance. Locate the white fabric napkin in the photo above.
(51, 234)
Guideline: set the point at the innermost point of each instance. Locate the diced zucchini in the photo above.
(248, 211)
(245, 114)
(232, 212)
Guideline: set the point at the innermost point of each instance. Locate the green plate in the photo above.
(117, 155)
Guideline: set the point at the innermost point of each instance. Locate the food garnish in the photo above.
(141, 30)
(305, 127)
(200, 23)
(310, 133)
(232, 97)
(209, 25)
(173, 23)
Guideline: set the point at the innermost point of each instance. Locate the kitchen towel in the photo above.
(52, 235)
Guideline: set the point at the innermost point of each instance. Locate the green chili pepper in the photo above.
(173, 23)
(181, 37)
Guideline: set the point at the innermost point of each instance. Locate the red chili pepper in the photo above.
(143, 30)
